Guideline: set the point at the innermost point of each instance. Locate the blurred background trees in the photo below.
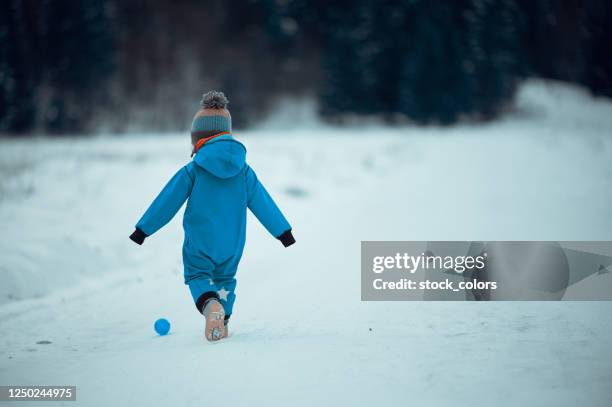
(54, 55)
(77, 66)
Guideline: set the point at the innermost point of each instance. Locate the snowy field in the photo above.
(300, 336)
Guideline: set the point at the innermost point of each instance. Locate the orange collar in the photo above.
(204, 140)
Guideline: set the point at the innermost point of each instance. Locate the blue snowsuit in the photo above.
(218, 186)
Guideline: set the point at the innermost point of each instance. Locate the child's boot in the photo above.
(226, 323)
(215, 320)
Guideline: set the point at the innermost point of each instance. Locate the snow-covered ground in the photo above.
(300, 334)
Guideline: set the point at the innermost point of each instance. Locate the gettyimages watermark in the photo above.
(484, 271)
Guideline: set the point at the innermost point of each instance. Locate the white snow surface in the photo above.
(300, 336)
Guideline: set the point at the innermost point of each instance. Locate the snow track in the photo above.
(300, 335)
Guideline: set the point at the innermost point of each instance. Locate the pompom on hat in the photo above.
(212, 118)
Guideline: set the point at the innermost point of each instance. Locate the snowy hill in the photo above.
(300, 335)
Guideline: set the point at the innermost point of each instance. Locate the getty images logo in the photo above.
(425, 261)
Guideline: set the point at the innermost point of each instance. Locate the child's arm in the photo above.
(263, 207)
(165, 206)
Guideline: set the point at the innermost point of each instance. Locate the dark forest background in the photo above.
(77, 66)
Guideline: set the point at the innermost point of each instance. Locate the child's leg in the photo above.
(226, 287)
(198, 273)
(225, 281)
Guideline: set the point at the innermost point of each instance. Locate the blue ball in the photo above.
(162, 326)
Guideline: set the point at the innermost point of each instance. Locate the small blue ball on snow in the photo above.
(162, 326)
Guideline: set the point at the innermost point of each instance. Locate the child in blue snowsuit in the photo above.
(218, 186)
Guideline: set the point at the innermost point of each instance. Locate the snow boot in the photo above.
(226, 323)
(215, 320)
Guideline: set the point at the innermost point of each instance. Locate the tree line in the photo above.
(75, 66)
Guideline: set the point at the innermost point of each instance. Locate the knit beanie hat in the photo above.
(212, 118)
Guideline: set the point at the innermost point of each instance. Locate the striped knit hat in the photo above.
(212, 118)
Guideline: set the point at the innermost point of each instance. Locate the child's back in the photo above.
(219, 186)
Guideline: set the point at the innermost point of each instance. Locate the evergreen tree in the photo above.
(460, 60)
(19, 73)
(431, 61)
(346, 76)
(434, 83)
(54, 62)
(493, 50)
(77, 56)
